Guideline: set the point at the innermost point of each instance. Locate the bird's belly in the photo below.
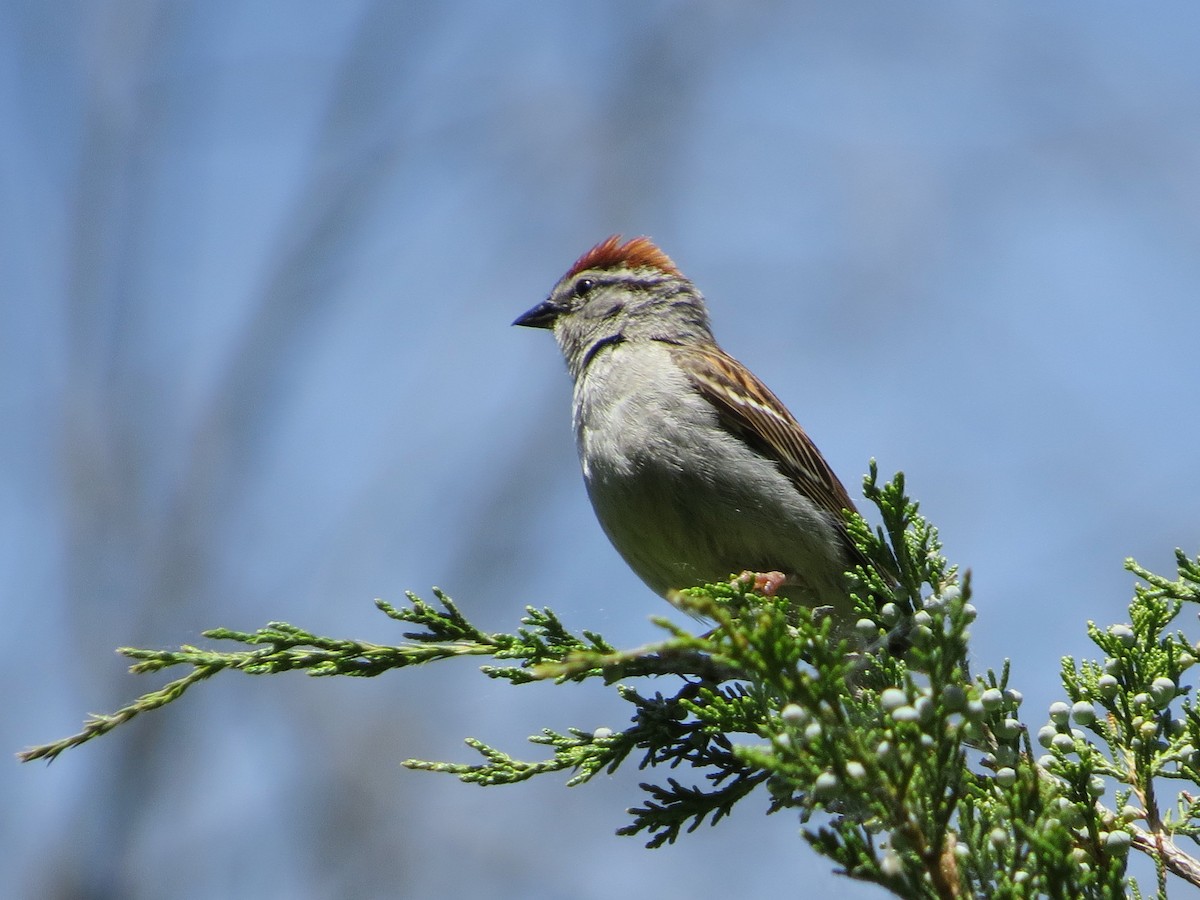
(680, 528)
(684, 501)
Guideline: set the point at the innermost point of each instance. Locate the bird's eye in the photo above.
(582, 286)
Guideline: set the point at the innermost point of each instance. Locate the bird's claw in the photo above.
(763, 583)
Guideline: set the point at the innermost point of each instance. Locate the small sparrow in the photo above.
(696, 471)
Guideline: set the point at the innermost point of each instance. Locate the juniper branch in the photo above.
(280, 647)
(870, 745)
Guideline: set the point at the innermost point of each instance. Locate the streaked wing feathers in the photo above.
(753, 413)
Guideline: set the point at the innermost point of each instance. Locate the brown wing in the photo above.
(749, 410)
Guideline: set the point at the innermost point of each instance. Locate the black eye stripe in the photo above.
(587, 284)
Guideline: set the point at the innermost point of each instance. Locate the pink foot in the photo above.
(764, 583)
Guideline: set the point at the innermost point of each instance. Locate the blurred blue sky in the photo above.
(257, 265)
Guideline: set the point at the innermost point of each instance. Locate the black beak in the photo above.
(541, 316)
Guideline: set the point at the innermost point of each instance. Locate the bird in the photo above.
(696, 471)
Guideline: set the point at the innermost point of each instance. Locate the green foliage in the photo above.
(905, 770)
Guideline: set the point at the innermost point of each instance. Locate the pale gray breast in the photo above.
(682, 500)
